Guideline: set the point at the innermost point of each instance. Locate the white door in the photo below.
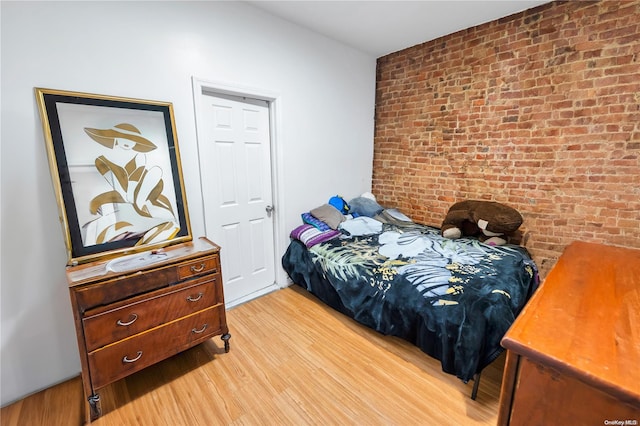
(235, 162)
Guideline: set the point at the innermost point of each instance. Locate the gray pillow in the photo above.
(364, 206)
(329, 215)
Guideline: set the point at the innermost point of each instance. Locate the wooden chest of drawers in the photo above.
(127, 320)
(573, 354)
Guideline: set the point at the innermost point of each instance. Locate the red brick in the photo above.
(538, 110)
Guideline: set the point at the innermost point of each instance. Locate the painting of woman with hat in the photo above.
(135, 206)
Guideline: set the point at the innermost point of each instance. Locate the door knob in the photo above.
(269, 210)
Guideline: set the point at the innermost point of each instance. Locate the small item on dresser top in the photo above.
(135, 261)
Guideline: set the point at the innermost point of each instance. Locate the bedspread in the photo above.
(454, 299)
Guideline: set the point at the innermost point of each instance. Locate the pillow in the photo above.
(329, 215)
(310, 235)
(397, 214)
(364, 206)
(368, 195)
(316, 223)
(393, 216)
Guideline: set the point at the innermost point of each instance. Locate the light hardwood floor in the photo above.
(293, 361)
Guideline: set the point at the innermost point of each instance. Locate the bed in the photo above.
(454, 299)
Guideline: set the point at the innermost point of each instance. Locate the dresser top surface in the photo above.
(585, 317)
(128, 264)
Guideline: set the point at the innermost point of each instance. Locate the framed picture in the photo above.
(116, 172)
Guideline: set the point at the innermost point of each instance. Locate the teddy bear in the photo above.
(492, 222)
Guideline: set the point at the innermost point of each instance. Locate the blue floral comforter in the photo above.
(454, 299)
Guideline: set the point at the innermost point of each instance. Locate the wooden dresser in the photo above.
(573, 354)
(129, 316)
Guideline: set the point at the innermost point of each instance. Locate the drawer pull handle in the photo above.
(198, 297)
(138, 355)
(204, 327)
(134, 317)
(197, 269)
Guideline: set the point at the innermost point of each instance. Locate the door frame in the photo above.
(202, 87)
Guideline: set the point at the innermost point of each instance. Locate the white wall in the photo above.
(151, 50)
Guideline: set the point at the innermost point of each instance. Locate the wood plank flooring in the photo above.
(293, 361)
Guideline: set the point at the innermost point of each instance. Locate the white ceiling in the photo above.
(382, 27)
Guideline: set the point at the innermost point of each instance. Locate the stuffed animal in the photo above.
(492, 222)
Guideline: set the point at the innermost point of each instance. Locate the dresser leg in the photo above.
(94, 405)
(225, 338)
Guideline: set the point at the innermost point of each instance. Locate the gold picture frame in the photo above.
(115, 167)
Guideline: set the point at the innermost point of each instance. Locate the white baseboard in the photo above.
(232, 303)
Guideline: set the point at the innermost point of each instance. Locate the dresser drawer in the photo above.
(123, 287)
(116, 361)
(122, 321)
(205, 265)
(135, 283)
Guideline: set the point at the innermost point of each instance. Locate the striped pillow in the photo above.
(317, 223)
(310, 235)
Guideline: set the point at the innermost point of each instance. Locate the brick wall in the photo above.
(539, 110)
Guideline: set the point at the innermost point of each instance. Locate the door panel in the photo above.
(235, 157)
